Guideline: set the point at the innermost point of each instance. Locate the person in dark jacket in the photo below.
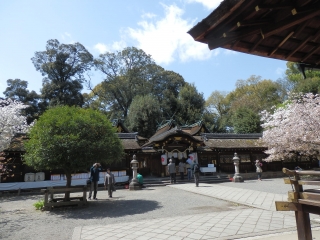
(94, 177)
(172, 171)
(196, 173)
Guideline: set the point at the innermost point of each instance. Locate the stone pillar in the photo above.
(134, 185)
(236, 177)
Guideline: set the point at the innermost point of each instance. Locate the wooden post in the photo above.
(303, 225)
(45, 197)
(51, 194)
(84, 193)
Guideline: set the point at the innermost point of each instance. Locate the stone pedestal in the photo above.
(134, 184)
(236, 177)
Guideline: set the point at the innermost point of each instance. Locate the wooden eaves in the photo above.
(286, 30)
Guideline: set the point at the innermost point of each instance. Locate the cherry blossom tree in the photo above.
(294, 128)
(11, 121)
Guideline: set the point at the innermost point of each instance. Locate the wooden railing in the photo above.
(302, 202)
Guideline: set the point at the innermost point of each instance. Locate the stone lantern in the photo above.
(236, 177)
(134, 184)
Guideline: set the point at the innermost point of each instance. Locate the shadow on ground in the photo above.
(107, 208)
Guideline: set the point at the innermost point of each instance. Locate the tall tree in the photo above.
(295, 78)
(191, 105)
(218, 107)
(71, 138)
(143, 115)
(245, 120)
(63, 66)
(18, 90)
(255, 94)
(126, 75)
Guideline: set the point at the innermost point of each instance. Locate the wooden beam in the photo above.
(201, 29)
(301, 45)
(219, 42)
(272, 7)
(301, 28)
(281, 43)
(286, 206)
(314, 50)
(290, 22)
(254, 22)
(256, 44)
(231, 21)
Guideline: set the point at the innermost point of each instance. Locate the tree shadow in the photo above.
(111, 208)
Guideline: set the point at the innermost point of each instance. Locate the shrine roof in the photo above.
(285, 30)
(172, 132)
(234, 143)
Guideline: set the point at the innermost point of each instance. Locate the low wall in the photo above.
(254, 175)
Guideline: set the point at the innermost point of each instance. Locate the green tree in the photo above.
(294, 74)
(255, 94)
(191, 105)
(126, 75)
(18, 90)
(71, 138)
(218, 106)
(308, 85)
(245, 120)
(63, 66)
(295, 77)
(143, 115)
(129, 73)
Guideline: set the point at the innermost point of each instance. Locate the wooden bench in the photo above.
(302, 202)
(54, 202)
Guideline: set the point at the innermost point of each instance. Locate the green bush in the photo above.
(39, 205)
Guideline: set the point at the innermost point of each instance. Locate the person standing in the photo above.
(189, 168)
(259, 169)
(172, 171)
(140, 180)
(196, 173)
(109, 182)
(182, 167)
(94, 177)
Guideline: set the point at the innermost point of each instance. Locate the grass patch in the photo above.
(39, 205)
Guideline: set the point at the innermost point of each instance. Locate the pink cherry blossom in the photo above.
(294, 128)
(11, 121)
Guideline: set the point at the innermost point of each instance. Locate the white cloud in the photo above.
(101, 48)
(118, 46)
(279, 71)
(115, 46)
(167, 39)
(67, 37)
(230, 52)
(209, 4)
(148, 15)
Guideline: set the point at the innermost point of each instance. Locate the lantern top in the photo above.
(235, 157)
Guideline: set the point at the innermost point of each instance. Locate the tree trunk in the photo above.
(67, 193)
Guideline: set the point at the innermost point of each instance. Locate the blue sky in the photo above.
(158, 27)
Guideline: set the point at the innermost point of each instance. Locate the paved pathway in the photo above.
(261, 219)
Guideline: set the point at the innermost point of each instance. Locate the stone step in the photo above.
(148, 182)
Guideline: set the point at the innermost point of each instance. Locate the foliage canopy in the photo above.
(71, 138)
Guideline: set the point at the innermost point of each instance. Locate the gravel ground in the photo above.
(20, 220)
(274, 185)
